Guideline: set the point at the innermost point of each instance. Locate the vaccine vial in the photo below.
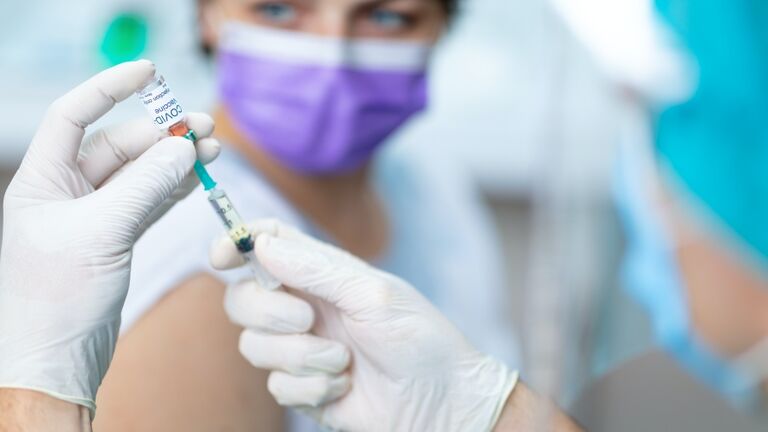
(164, 108)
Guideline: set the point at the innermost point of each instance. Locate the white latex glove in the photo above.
(71, 216)
(409, 370)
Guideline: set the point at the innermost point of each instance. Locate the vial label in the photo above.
(163, 106)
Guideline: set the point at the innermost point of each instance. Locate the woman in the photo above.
(309, 90)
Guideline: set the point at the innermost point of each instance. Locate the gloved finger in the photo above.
(208, 150)
(209, 146)
(224, 255)
(187, 186)
(201, 123)
(133, 195)
(254, 307)
(107, 150)
(297, 354)
(332, 417)
(320, 269)
(346, 283)
(61, 132)
(311, 391)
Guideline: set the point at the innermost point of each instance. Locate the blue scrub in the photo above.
(717, 142)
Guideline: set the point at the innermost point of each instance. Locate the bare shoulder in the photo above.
(178, 368)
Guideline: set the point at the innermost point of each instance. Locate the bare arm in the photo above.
(524, 410)
(34, 411)
(178, 368)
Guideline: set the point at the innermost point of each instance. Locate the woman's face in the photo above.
(413, 20)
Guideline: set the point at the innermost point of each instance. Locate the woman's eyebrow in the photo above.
(373, 3)
(357, 4)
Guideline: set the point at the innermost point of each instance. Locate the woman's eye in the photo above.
(277, 12)
(389, 20)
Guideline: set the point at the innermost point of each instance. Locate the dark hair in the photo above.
(450, 7)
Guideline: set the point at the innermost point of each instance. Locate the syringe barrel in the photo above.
(231, 219)
(241, 236)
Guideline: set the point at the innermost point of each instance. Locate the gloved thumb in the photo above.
(133, 195)
(324, 272)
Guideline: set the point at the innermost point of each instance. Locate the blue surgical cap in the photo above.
(716, 143)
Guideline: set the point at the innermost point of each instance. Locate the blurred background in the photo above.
(532, 97)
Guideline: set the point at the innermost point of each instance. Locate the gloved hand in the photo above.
(71, 216)
(356, 348)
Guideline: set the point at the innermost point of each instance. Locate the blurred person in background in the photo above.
(309, 91)
(695, 211)
(688, 176)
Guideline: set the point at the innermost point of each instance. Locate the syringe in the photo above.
(168, 115)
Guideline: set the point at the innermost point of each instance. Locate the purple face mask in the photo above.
(318, 105)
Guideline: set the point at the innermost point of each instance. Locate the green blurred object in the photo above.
(125, 38)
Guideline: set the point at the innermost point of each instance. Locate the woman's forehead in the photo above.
(345, 3)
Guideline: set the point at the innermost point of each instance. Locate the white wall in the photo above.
(46, 47)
